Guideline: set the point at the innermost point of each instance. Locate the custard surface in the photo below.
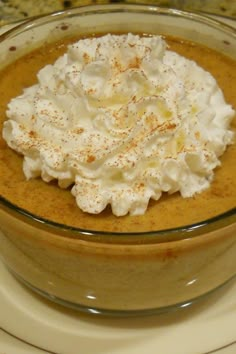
(51, 202)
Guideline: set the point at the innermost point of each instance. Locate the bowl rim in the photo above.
(198, 16)
(34, 22)
(188, 228)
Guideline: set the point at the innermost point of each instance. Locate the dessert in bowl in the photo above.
(148, 249)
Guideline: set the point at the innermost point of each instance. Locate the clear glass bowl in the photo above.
(117, 273)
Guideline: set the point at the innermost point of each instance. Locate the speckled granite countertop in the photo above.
(12, 10)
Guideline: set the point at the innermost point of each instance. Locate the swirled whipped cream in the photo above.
(121, 119)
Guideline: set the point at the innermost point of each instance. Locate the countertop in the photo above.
(13, 10)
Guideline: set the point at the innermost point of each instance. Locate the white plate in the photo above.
(203, 328)
(32, 325)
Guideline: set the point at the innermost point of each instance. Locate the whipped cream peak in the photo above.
(121, 119)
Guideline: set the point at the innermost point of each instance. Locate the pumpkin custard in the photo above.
(61, 206)
(125, 265)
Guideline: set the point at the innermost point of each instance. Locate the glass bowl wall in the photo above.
(117, 273)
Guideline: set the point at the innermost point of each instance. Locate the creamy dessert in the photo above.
(123, 131)
(76, 257)
(123, 119)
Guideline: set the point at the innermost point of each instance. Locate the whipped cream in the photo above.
(121, 119)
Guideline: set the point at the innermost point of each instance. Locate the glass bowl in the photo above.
(117, 273)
